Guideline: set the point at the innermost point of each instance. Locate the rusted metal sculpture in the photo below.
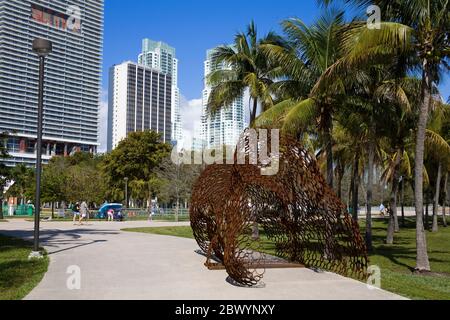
(295, 209)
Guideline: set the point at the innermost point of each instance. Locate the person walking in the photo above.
(76, 212)
(84, 212)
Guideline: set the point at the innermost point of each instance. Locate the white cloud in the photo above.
(103, 123)
(191, 112)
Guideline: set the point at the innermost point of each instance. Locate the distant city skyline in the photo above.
(194, 27)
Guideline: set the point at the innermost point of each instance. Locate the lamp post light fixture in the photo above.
(42, 48)
(126, 192)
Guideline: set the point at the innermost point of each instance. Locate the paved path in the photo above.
(122, 265)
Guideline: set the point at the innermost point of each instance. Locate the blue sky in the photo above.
(192, 27)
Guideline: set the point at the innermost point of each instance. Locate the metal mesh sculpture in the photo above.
(295, 209)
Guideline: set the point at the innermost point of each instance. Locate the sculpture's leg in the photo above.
(208, 254)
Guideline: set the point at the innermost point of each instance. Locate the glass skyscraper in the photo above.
(73, 76)
(160, 56)
(226, 126)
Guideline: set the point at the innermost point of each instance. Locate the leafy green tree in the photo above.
(54, 182)
(135, 158)
(85, 183)
(23, 186)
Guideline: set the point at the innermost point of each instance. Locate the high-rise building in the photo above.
(72, 76)
(226, 126)
(140, 98)
(162, 57)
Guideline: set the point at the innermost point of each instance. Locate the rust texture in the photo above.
(295, 209)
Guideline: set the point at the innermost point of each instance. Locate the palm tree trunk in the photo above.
(422, 261)
(369, 196)
(393, 201)
(403, 203)
(396, 223)
(328, 140)
(255, 227)
(436, 199)
(446, 192)
(340, 179)
(392, 210)
(355, 189)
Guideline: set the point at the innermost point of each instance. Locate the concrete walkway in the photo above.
(118, 265)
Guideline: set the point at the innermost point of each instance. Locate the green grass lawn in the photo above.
(182, 232)
(18, 275)
(396, 262)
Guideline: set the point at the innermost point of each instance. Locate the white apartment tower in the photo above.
(140, 99)
(160, 56)
(226, 126)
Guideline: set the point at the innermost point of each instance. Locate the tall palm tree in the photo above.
(240, 67)
(438, 149)
(313, 49)
(419, 28)
(243, 66)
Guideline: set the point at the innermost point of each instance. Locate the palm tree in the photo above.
(313, 49)
(419, 28)
(350, 133)
(439, 150)
(243, 66)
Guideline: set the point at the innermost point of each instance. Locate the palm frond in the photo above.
(223, 95)
(437, 145)
(301, 116)
(274, 117)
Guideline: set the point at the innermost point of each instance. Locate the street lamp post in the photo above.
(42, 48)
(126, 193)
